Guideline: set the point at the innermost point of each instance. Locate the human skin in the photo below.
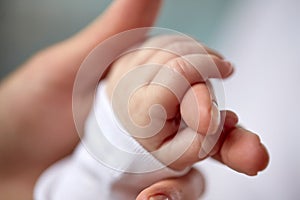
(193, 103)
(36, 122)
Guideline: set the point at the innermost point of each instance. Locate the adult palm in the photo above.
(36, 121)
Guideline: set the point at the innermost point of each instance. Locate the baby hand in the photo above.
(159, 84)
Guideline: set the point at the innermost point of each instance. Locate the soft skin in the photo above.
(36, 122)
(237, 148)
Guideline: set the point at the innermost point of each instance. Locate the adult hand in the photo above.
(36, 121)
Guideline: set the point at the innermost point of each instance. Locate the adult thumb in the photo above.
(122, 15)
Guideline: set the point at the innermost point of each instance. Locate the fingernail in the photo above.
(215, 119)
(212, 133)
(159, 197)
(227, 63)
(229, 66)
(231, 121)
(202, 154)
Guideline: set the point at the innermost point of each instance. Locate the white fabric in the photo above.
(98, 167)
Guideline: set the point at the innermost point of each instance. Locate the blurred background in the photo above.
(30, 25)
(262, 39)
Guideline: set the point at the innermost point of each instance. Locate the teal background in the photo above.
(30, 25)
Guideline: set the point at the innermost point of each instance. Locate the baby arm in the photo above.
(153, 100)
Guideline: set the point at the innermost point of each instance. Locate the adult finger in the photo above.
(191, 187)
(243, 151)
(140, 13)
(61, 62)
(188, 147)
(67, 56)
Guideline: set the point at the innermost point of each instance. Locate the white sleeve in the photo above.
(107, 164)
